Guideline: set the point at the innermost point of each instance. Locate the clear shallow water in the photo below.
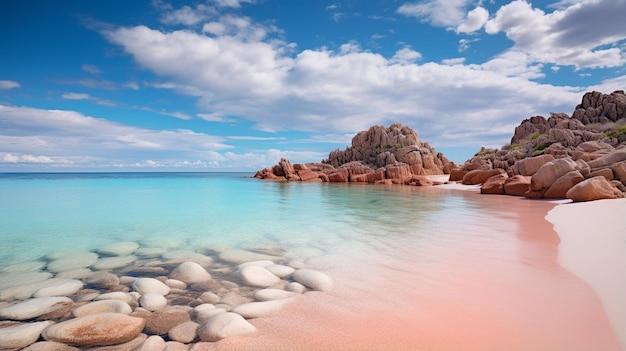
(433, 269)
(43, 213)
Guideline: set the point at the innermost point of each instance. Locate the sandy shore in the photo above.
(508, 288)
(593, 247)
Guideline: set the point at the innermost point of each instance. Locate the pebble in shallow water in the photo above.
(221, 299)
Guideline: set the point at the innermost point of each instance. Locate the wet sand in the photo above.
(501, 289)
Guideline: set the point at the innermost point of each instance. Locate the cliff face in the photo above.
(378, 155)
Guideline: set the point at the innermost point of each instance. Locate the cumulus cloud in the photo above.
(440, 13)
(347, 90)
(475, 20)
(582, 34)
(8, 84)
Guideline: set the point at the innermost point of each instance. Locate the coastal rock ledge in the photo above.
(380, 155)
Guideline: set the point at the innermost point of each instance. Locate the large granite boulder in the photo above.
(596, 188)
(96, 330)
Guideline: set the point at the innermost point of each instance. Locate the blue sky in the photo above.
(233, 85)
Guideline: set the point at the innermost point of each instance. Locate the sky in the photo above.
(234, 85)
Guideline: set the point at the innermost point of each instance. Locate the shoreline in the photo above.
(593, 247)
(528, 302)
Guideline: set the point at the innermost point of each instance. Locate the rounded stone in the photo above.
(96, 330)
(161, 322)
(260, 263)
(59, 287)
(280, 270)
(261, 309)
(209, 297)
(102, 280)
(258, 276)
(123, 248)
(176, 284)
(23, 267)
(185, 332)
(50, 346)
(313, 279)
(116, 295)
(295, 287)
(73, 261)
(225, 325)
(238, 256)
(114, 262)
(21, 335)
(153, 301)
(103, 306)
(206, 314)
(273, 294)
(148, 285)
(153, 342)
(34, 307)
(190, 272)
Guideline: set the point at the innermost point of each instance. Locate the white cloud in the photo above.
(580, 35)
(8, 84)
(68, 137)
(347, 90)
(453, 61)
(187, 16)
(475, 20)
(440, 13)
(83, 96)
(233, 3)
(75, 96)
(215, 117)
(91, 69)
(465, 44)
(405, 56)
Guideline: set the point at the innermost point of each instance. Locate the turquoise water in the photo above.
(44, 213)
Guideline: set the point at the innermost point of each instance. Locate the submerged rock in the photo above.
(190, 272)
(313, 279)
(34, 307)
(225, 325)
(17, 336)
(96, 330)
(258, 276)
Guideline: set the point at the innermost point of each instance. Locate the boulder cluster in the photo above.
(581, 158)
(380, 155)
(150, 299)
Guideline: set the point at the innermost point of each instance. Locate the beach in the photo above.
(558, 290)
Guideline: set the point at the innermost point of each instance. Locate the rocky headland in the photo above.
(581, 157)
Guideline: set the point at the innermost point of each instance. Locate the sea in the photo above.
(431, 268)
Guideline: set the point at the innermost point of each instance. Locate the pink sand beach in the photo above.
(517, 285)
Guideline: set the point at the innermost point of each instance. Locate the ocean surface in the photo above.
(44, 213)
(414, 267)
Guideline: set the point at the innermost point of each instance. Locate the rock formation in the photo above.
(378, 155)
(547, 157)
(560, 152)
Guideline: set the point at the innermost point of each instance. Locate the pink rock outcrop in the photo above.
(596, 188)
(375, 156)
